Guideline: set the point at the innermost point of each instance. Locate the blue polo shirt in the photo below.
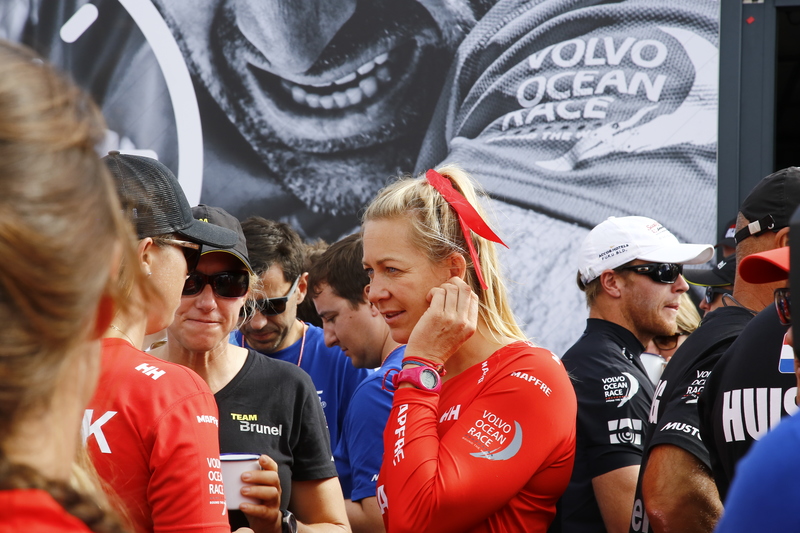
(360, 451)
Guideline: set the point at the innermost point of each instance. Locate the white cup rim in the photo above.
(239, 457)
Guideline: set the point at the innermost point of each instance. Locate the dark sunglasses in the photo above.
(276, 306)
(783, 305)
(711, 293)
(658, 272)
(666, 343)
(233, 284)
(191, 251)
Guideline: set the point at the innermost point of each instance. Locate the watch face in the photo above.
(289, 523)
(428, 378)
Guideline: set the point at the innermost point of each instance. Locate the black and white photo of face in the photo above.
(334, 95)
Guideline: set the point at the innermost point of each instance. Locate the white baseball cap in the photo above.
(618, 240)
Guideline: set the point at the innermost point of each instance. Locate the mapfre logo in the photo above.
(625, 431)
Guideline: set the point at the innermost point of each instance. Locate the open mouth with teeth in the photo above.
(363, 85)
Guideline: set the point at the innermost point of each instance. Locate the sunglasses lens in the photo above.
(783, 305)
(668, 272)
(193, 284)
(709, 297)
(272, 306)
(230, 284)
(192, 258)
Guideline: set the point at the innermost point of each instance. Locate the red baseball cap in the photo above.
(764, 267)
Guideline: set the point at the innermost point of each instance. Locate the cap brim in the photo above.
(765, 267)
(730, 242)
(682, 254)
(210, 234)
(704, 278)
(237, 255)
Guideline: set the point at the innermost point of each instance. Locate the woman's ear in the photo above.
(144, 255)
(457, 265)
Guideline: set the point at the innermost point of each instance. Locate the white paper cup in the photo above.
(233, 466)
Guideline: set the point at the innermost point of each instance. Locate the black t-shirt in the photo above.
(271, 407)
(673, 415)
(614, 395)
(745, 396)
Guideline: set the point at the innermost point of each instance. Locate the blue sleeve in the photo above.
(765, 491)
(341, 457)
(363, 433)
(351, 379)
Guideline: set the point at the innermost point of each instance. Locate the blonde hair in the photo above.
(435, 230)
(688, 318)
(60, 227)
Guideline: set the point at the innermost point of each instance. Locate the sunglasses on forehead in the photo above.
(783, 304)
(276, 306)
(233, 284)
(658, 272)
(191, 251)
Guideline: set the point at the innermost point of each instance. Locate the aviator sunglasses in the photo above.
(783, 305)
(276, 306)
(658, 272)
(232, 284)
(191, 252)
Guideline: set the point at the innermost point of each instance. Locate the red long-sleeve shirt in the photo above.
(492, 452)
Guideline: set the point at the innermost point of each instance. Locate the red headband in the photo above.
(468, 217)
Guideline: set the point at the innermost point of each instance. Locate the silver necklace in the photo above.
(112, 326)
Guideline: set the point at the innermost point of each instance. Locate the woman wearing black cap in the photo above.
(267, 407)
(151, 426)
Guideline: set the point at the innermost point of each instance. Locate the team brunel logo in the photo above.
(620, 388)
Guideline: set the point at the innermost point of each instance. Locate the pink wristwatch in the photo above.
(422, 377)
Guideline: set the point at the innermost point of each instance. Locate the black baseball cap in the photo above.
(154, 202)
(721, 275)
(770, 204)
(219, 217)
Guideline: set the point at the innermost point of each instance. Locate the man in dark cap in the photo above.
(676, 489)
(717, 282)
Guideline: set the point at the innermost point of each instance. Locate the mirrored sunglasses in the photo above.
(233, 284)
(658, 272)
(783, 304)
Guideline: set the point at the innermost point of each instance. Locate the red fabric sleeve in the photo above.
(511, 432)
(185, 488)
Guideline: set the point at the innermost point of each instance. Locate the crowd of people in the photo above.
(145, 340)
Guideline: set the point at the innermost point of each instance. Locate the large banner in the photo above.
(566, 111)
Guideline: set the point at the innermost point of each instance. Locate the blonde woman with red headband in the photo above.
(481, 437)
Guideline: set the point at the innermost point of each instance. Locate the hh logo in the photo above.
(95, 428)
(451, 414)
(625, 431)
(149, 370)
